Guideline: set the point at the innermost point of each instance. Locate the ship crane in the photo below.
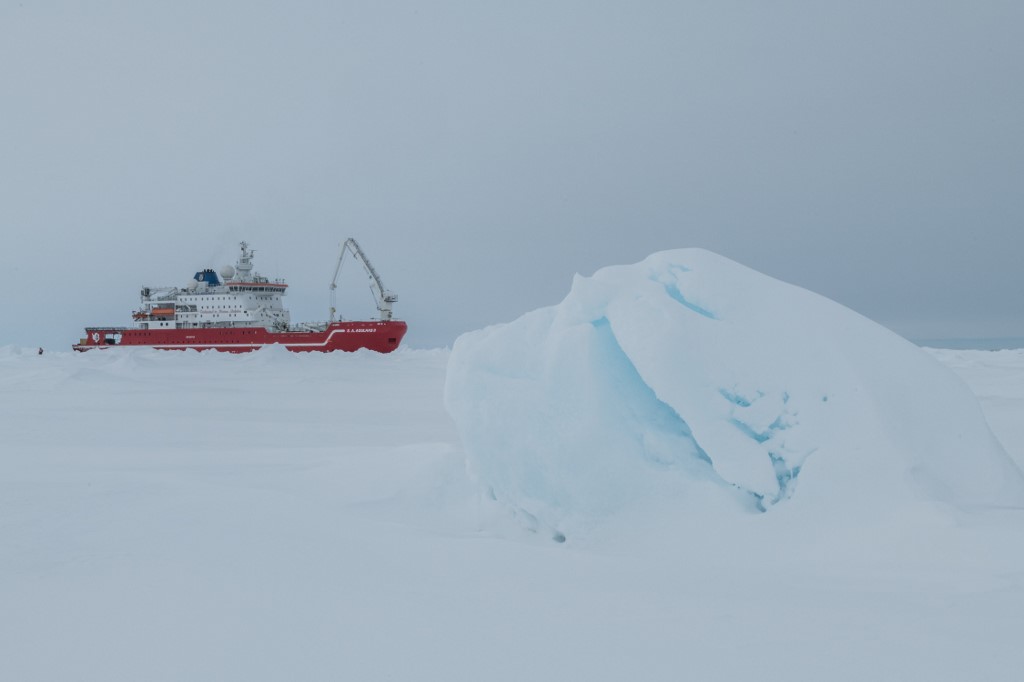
(381, 295)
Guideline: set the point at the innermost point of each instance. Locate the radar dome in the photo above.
(192, 285)
(227, 272)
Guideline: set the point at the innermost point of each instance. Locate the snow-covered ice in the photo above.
(170, 516)
(687, 375)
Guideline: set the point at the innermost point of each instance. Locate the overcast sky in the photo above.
(484, 152)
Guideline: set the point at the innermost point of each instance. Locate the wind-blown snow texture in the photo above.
(687, 373)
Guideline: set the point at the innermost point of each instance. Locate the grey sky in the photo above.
(483, 152)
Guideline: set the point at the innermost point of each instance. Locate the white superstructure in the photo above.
(239, 297)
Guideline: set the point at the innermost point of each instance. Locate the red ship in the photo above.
(240, 311)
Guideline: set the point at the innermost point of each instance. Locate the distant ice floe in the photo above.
(690, 377)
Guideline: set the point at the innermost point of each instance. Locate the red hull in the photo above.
(382, 337)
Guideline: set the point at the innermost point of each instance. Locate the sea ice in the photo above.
(691, 377)
(266, 516)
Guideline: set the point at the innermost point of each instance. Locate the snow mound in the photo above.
(688, 376)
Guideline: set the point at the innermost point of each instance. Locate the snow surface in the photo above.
(172, 516)
(688, 376)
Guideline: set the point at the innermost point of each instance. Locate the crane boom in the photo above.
(382, 296)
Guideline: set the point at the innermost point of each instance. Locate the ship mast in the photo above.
(244, 264)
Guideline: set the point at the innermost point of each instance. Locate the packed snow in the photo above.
(170, 516)
(688, 375)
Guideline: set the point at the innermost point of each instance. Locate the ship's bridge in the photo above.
(243, 298)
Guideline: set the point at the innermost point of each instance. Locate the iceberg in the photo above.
(690, 377)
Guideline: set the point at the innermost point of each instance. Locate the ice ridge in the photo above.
(688, 372)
